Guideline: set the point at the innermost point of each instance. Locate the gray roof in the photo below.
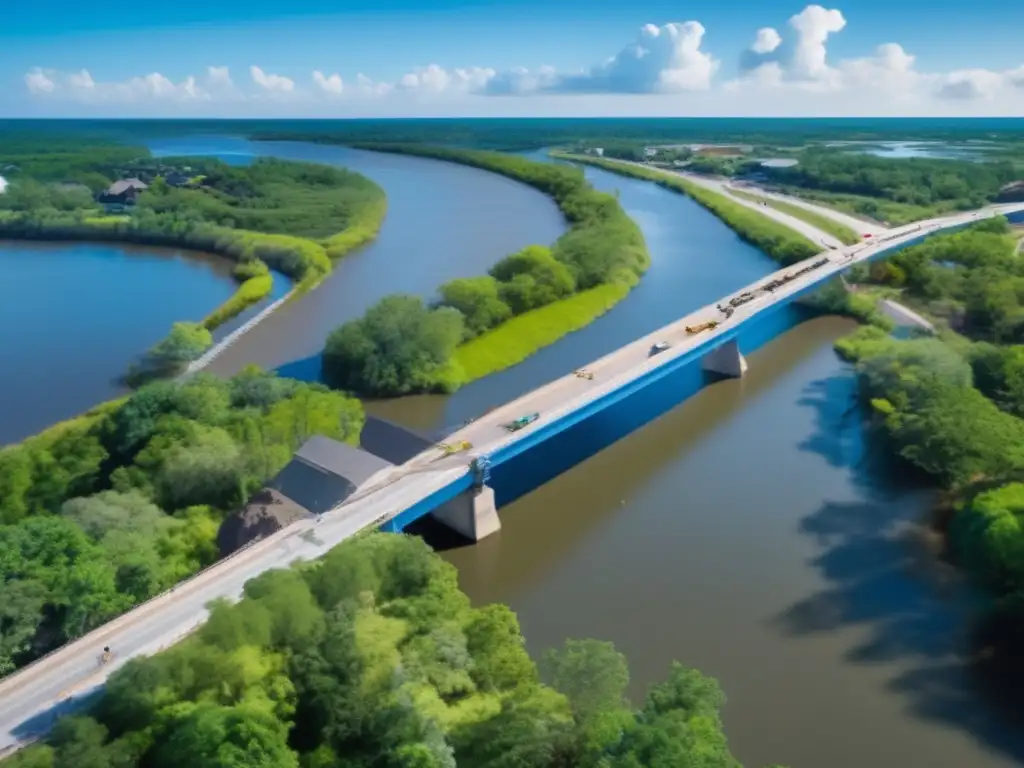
(391, 442)
(355, 465)
(120, 187)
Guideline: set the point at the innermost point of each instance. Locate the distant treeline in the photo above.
(510, 134)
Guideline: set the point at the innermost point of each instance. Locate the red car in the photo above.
(867, 235)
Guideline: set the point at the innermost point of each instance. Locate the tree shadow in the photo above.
(303, 369)
(878, 556)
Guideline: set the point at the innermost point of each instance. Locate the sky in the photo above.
(479, 58)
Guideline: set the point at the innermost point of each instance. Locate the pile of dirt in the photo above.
(266, 513)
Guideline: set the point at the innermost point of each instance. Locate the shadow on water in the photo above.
(879, 559)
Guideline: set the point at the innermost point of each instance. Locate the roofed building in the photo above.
(122, 193)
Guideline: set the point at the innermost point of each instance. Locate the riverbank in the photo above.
(546, 293)
(272, 215)
(775, 239)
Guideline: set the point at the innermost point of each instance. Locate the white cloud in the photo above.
(666, 59)
(766, 41)
(38, 82)
(271, 82)
(664, 71)
(332, 84)
(219, 77)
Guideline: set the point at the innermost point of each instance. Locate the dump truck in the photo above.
(522, 421)
(709, 325)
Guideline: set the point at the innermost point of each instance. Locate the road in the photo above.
(721, 186)
(859, 225)
(29, 698)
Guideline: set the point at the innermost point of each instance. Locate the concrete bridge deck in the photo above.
(58, 683)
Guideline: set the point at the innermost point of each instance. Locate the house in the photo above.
(650, 151)
(3, 185)
(122, 194)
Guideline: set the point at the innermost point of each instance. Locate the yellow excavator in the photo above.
(450, 448)
(710, 325)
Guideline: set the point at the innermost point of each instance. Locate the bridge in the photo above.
(451, 487)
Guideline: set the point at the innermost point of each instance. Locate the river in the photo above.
(444, 221)
(749, 532)
(75, 316)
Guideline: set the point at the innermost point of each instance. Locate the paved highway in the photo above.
(29, 699)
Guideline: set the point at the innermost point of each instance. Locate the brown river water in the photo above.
(750, 531)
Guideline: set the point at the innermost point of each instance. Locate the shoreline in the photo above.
(310, 261)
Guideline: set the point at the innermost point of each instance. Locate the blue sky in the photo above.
(976, 44)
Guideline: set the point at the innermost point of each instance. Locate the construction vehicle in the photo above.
(450, 448)
(522, 421)
(583, 373)
(708, 326)
(661, 346)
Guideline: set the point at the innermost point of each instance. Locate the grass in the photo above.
(775, 239)
(818, 220)
(879, 209)
(517, 339)
(249, 292)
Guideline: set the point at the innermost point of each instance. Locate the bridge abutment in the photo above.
(726, 360)
(473, 513)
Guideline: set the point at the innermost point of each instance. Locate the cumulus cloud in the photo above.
(665, 70)
(39, 82)
(332, 84)
(666, 59)
(271, 82)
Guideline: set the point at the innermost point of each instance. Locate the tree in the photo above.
(478, 301)
(185, 343)
(208, 470)
(532, 278)
(112, 511)
(399, 346)
(211, 736)
(593, 675)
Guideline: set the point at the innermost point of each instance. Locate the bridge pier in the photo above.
(726, 360)
(473, 513)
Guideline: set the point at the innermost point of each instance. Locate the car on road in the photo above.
(658, 348)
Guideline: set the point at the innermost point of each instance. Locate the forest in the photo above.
(895, 190)
(403, 345)
(953, 406)
(103, 512)
(373, 658)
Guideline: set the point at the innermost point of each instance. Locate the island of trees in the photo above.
(295, 218)
(372, 657)
(483, 324)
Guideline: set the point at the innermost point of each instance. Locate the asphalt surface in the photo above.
(30, 699)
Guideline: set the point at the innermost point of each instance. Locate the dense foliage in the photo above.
(372, 657)
(952, 407)
(101, 513)
(403, 346)
(898, 190)
(776, 240)
(972, 279)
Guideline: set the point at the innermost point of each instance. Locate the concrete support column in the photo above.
(473, 513)
(726, 360)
